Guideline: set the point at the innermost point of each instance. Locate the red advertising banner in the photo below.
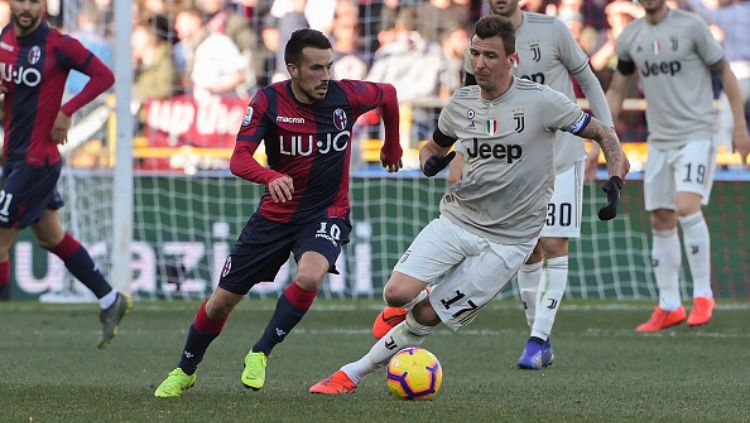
(188, 121)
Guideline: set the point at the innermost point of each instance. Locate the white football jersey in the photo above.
(673, 59)
(548, 54)
(509, 154)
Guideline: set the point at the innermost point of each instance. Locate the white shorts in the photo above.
(565, 208)
(465, 271)
(689, 168)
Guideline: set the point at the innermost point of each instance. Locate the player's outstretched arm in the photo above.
(617, 163)
(740, 137)
(433, 158)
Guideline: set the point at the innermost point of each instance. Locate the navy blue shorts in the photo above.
(264, 246)
(27, 192)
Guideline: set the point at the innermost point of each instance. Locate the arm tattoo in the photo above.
(607, 139)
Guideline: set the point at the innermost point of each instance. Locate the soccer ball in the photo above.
(414, 374)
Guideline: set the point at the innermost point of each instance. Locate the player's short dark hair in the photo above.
(497, 26)
(302, 38)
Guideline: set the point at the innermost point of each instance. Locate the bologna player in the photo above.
(489, 223)
(35, 60)
(306, 124)
(675, 54)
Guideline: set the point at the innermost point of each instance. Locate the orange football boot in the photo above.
(387, 319)
(337, 384)
(662, 319)
(703, 308)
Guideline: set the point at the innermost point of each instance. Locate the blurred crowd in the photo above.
(210, 48)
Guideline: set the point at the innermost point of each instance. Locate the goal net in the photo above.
(188, 208)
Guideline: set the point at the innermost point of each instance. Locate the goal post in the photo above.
(122, 195)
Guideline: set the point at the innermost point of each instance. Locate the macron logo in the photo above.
(284, 119)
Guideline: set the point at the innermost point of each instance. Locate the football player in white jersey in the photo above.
(490, 221)
(547, 54)
(675, 54)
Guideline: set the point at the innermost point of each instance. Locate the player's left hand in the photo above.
(613, 188)
(60, 128)
(741, 143)
(392, 167)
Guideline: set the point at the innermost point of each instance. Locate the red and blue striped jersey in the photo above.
(33, 70)
(310, 143)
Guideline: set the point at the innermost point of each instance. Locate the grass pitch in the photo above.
(50, 369)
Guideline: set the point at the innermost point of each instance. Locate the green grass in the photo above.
(50, 369)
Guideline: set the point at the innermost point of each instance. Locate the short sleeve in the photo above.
(446, 122)
(622, 47)
(562, 113)
(571, 54)
(708, 49)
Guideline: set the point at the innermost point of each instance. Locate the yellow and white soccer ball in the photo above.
(414, 374)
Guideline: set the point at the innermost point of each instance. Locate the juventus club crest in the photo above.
(339, 119)
(519, 120)
(673, 41)
(536, 51)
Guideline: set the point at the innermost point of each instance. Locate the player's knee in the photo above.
(688, 208)
(424, 314)
(309, 280)
(395, 296)
(46, 243)
(217, 309)
(537, 254)
(663, 219)
(555, 247)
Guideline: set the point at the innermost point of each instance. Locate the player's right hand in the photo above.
(613, 188)
(436, 163)
(392, 167)
(281, 189)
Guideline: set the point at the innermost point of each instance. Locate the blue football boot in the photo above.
(548, 354)
(531, 359)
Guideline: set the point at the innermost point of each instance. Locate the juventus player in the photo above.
(675, 54)
(490, 222)
(548, 55)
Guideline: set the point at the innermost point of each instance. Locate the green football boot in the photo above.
(175, 384)
(111, 317)
(254, 374)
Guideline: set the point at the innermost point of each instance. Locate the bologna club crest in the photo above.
(339, 119)
(35, 53)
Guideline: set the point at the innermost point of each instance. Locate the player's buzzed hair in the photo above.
(496, 26)
(302, 38)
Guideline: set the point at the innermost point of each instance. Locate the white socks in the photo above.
(550, 295)
(529, 278)
(697, 242)
(666, 259)
(408, 333)
(106, 301)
